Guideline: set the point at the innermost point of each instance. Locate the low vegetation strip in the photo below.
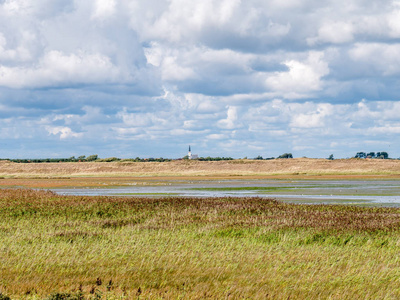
(79, 247)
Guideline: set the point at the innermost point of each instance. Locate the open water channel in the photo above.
(354, 192)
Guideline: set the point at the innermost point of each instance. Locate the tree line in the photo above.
(96, 158)
(83, 158)
(379, 155)
(284, 155)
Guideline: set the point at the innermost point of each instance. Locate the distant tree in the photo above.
(331, 157)
(361, 155)
(109, 159)
(382, 155)
(371, 155)
(82, 157)
(92, 157)
(208, 158)
(286, 155)
(258, 157)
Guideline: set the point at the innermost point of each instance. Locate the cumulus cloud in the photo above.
(59, 69)
(104, 9)
(231, 77)
(393, 21)
(378, 57)
(335, 33)
(63, 132)
(231, 119)
(302, 77)
(311, 119)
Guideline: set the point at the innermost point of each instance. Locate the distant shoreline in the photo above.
(280, 168)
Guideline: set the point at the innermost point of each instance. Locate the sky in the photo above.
(130, 78)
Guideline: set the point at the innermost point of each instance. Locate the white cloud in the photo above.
(302, 77)
(136, 119)
(258, 74)
(393, 20)
(181, 131)
(172, 71)
(314, 118)
(382, 58)
(335, 33)
(216, 136)
(19, 53)
(57, 68)
(231, 121)
(129, 133)
(104, 9)
(208, 106)
(183, 18)
(154, 54)
(64, 132)
(384, 130)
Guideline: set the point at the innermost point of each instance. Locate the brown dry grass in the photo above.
(185, 168)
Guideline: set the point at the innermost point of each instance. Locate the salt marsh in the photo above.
(355, 192)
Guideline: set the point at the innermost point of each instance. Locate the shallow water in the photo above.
(355, 192)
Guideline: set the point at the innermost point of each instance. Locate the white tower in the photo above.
(190, 153)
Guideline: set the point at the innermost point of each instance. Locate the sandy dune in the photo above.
(297, 166)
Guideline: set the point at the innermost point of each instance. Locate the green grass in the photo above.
(191, 248)
(348, 190)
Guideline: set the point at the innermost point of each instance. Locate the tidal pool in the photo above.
(354, 192)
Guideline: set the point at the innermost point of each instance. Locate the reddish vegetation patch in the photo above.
(243, 212)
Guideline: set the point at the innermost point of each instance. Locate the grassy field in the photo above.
(185, 248)
(297, 167)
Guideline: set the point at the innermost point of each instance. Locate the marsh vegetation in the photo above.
(176, 247)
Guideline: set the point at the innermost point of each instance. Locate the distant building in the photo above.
(192, 156)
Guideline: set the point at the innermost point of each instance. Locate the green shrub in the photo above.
(92, 157)
(109, 159)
